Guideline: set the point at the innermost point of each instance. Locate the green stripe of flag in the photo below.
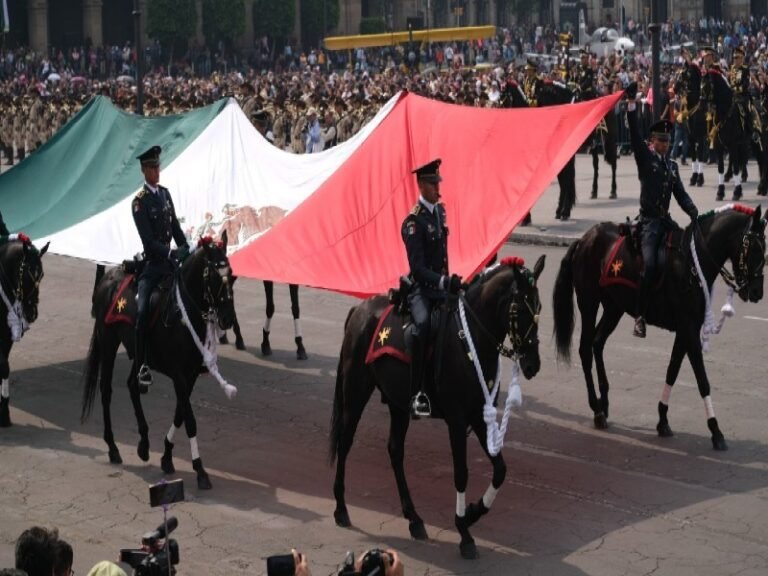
(5, 25)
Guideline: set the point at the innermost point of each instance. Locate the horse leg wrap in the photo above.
(194, 449)
(5, 389)
(710, 410)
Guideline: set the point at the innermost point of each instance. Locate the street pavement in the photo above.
(576, 500)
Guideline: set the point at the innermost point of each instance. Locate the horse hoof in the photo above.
(239, 344)
(418, 532)
(143, 450)
(203, 481)
(5, 422)
(224, 339)
(167, 465)
(114, 456)
(301, 354)
(469, 550)
(266, 349)
(342, 518)
(719, 444)
(664, 430)
(601, 422)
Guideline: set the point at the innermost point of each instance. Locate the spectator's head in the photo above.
(63, 557)
(35, 551)
(106, 568)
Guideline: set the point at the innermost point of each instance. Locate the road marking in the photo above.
(756, 318)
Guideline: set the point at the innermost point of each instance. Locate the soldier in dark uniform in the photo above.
(425, 235)
(156, 221)
(585, 77)
(739, 79)
(531, 82)
(659, 180)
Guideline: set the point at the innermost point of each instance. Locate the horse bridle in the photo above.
(518, 340)
(742, 267)
(222, 269)
(18, 293)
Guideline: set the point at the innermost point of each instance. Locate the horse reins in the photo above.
(743, 266)
(513, 331)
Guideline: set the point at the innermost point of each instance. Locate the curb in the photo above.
(533, 239)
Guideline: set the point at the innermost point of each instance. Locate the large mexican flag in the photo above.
(329, 220)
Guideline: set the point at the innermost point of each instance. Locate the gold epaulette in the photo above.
(141, 193)
(416, 209)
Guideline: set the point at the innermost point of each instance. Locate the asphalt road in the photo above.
(576, 500)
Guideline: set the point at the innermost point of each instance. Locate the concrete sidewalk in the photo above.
(546, 230)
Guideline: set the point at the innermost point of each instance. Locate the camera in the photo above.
(372, 564)
(158, 554)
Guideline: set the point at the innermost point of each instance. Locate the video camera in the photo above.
(154, 558)
(158, 554)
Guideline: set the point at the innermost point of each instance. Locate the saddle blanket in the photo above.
(388, 339)
(123, 307)
(623, 265)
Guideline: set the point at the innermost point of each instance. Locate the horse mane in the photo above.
(707, 219)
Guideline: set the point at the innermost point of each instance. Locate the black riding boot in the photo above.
(143, 375)
(642, 305)
(420, 404)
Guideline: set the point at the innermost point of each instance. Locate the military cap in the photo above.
(531, 64)
(584, 52)
(151, 157)
(661, 130)
(429, 172)
(738, 51)
(708, 50)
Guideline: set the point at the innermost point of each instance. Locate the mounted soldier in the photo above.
(425, 234)
(694, 113)
(659, 181)
(156, 222)
(739, 79)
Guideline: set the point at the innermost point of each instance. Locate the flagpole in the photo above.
(139, 59)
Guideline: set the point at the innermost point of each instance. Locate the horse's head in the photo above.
(523, 314)
(748, 259)
(23, 272)
(218, 280)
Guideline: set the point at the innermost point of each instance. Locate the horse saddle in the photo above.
(625, 260)
(394, 334)
(124, 306)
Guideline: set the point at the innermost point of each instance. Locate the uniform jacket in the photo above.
(156, 221)
(659, 178)
(425, 235)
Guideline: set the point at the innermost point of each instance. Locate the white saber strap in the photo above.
(207, 351)
(710, 327)
(494, 432)
(16, 321)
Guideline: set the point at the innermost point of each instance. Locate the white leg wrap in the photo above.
(5, 389)
(171, 433)
(461, 504)
(489, 496)
(193, 448)
(701, 167)
(297, 327)
(666, 393)
(720, 178)
(737, 179)
(267, 324)
(708, 407)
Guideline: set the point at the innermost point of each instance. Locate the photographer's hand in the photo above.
(392, 564)
(300, 561)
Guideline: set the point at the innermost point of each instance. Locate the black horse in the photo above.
(605, 142)
(760, 145)
(266, 346)
(499, 303)
(549, 93)
(21, 271)
(600, 278)
(202, 291)
(729, 132)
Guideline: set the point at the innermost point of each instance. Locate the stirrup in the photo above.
(144, 376)
(420, 406)
(639, 330)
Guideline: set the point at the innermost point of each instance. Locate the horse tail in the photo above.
(562, 305)
(338, 400)
(91, 375)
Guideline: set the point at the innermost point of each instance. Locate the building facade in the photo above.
(45, 23)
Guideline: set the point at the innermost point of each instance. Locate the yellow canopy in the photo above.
(392, 38)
